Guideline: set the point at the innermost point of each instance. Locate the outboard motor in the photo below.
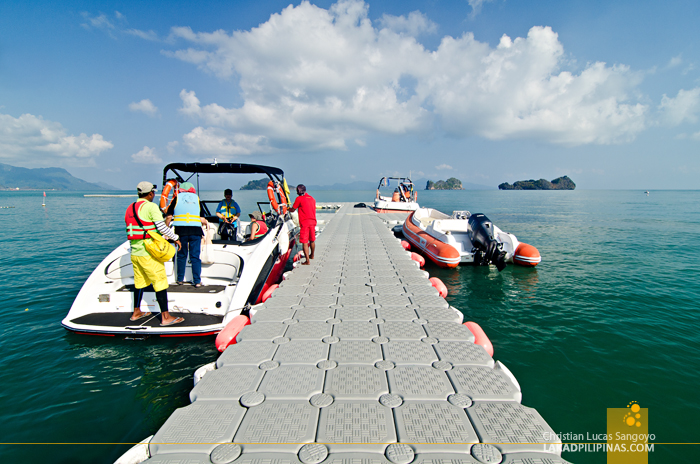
(486, 249)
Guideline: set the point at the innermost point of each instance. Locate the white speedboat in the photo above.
(404, 199)
(465, 238)
(235, 275)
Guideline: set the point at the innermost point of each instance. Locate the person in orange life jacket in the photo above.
(185, 213)
(228, 210)
(307, 221)
(258, 228)
(141, 217)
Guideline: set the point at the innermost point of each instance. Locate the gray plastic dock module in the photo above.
(355, 359)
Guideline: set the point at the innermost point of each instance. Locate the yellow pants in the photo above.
(148, 271)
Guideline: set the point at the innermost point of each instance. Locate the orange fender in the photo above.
(418, 258)
(406, 245)
(480, 337)
(228, 335)
(439, 286)
(268, 292)
(298, 256)
(526, 255)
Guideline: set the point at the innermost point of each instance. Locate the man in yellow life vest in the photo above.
(228, 211)
(141, 217)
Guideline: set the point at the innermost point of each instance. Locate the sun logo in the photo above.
(632, 417)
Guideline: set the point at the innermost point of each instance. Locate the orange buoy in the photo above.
(406, 245)
(418, 258)
(439, 286)
(480, 337)
(268, 292)
(228, 335)
(526, 255)
(170, 185)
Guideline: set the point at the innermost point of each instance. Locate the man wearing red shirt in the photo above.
(307, 221)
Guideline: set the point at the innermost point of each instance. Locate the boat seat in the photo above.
(426, 221)
(225, 266)
(121, 268)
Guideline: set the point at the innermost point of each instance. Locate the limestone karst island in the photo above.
(560, 183)
(449, 184)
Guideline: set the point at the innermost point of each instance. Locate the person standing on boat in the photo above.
(185, 213)
(141, 217)
(258, 228)
(306, 205)
(228, 211)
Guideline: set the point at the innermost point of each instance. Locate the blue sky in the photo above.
(487, 91)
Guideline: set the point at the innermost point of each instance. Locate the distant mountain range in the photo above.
(365, 185)
(12, 177)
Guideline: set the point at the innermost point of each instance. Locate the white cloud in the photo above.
(314, 79)
(31, 140)
(684, 107)
(172, 146)
(97, 22)
(144, 106)
(146, 156)
(146, 35)
(115, 25)
(416, 23)
(476, 6)
(442, 167)
(675, 61)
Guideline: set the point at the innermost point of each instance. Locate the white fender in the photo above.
(202, 370)
(283, 239)
(136, 454)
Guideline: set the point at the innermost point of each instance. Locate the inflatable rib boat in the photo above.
(449, 241)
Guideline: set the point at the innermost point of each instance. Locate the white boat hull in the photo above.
(236, 276)
(388, 206)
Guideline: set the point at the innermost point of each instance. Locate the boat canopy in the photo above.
(385, 181)
(274, 174)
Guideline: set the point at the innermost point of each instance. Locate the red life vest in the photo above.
(133, 230)
(261, 231)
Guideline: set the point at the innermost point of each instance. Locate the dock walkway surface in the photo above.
(356, 359)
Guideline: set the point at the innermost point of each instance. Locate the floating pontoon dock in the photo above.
(355, 359)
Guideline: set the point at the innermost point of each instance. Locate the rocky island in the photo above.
(256, 185)
(560, 183)
(449, 184)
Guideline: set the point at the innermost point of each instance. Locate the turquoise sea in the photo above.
(610, 316)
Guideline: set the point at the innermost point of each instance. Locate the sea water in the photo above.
(608, 317)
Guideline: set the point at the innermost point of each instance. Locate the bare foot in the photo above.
(312, 256)
(306, 263)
